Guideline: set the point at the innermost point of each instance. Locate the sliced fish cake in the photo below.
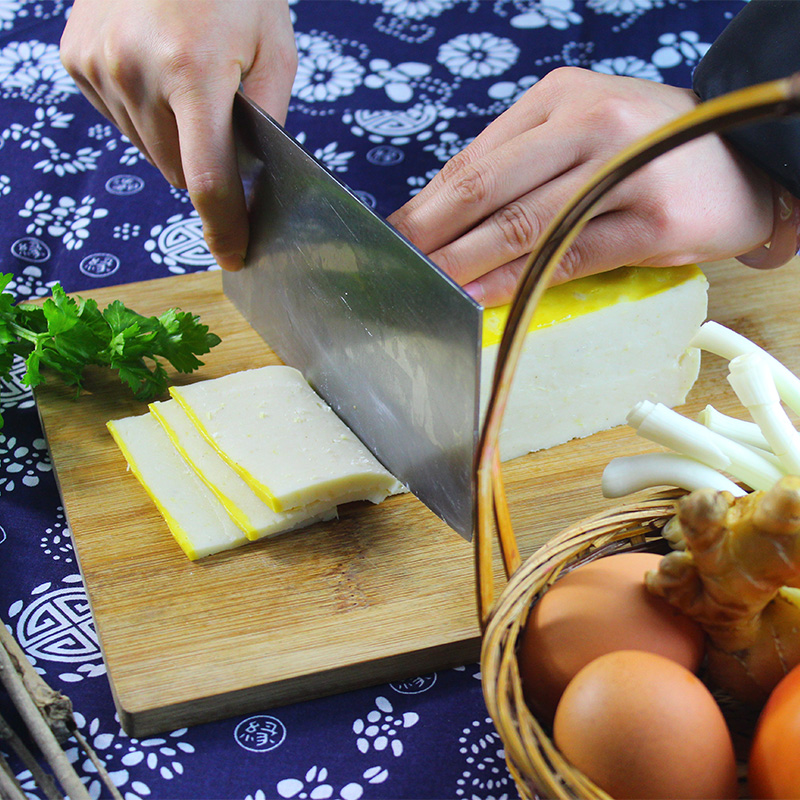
(248, 511)
(271, 427)
(196, 518)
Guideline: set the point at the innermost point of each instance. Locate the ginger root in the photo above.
(740, 553)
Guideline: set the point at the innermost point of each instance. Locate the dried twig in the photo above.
(48, 715)
(55, 707)
(39, 729)
(9, 785)
(99, 765)
(44, 781)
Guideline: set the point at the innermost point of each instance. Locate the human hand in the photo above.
(166, 72)
(480, 217)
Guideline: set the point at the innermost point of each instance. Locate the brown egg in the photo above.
(642, 726)
(600, 606)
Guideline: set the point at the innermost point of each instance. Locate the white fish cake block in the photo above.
(597, 346)
(271, 427)
(196, 518)
(247, 510)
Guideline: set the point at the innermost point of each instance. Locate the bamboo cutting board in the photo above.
(383, 593)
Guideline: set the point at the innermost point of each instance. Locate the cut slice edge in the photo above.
(245, 507)
(358, 476)
(180, 500)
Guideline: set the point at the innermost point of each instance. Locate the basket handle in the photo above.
(773, 99)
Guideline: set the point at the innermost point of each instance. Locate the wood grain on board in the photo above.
(381, 594)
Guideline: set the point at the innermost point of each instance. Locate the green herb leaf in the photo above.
(66, 334)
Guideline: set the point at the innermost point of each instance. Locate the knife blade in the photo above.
(390, 342)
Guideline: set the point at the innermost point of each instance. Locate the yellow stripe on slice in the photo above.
(197, 520)
(592, 293)
(247, 510)
(271, 427)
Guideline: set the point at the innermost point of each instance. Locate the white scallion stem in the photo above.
(666, 427)
(752, 380)
(628, 474)
(740, 430)
(662, 425)
(728, 344)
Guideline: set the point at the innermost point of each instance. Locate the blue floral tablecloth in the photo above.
(386, 92)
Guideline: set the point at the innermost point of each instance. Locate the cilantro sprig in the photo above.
(66, 334)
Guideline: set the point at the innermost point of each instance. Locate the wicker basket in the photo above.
(536, 765)
(538, 768)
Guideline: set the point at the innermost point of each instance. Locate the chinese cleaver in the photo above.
(389, 341)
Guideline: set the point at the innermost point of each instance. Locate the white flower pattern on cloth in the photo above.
(315, 785)
(8, 13)
(309, 46)
(63, 163)
(68, 219)
(558, 14)
(631, 66)
(33, 136)
(71, 220)
(620, 7)
(416, 9)
(684, 47)
(510, 91)
(22, 463)
(56, 541)
(485, 773)
(29, 283)
(37, 209)
(33, 70)
(449, 145)
(478, 55)
(162, 756)
(326, 76)
(398, 81)
(379, 730)
(329, 155)
(13, 392)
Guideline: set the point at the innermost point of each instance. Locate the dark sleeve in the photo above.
(761, 43)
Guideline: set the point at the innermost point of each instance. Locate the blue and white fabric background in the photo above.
(386, 92)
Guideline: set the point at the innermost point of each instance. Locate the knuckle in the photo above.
(455, 165)
(180, 63)
(286, 58)
(563, 81)
(509, 279)
(658, 211)
(69, 49)
(68, 55)
(80, 63)
(517, 228)
(404, 222)
(472, 185)
(172, 171)
(572, 263)
(620, 119)
(122, 70)
(563, 76)
(207, 186)
(451, 265)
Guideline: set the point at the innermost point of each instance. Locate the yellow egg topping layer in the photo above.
(591, 293)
